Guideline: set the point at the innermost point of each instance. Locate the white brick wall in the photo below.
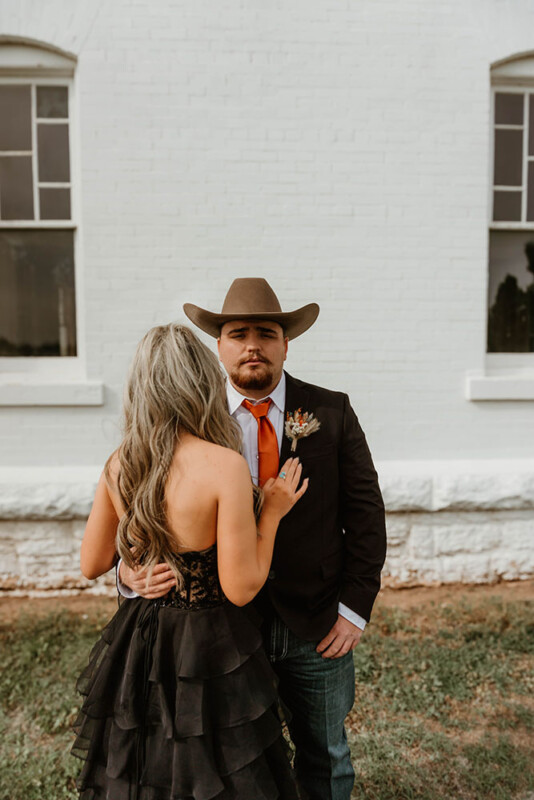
(338, 149)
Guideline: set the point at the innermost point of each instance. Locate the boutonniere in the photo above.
(299, 425)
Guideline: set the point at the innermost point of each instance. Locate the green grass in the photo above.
(41, 659)
(444, 705)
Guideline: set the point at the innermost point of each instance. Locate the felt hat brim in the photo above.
(294, 323)
(254, 299)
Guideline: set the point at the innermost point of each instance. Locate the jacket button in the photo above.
(272, 574)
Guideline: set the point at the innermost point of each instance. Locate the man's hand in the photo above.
(343, 637)
(161, 581)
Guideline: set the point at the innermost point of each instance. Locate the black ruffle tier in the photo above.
(180, 704)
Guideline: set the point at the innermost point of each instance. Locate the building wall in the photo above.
(339, 149)
(447, 522)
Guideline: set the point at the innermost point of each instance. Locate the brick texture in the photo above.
(338, 149)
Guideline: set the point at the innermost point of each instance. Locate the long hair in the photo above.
(175, 384)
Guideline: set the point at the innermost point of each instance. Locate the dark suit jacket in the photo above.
(331, 546)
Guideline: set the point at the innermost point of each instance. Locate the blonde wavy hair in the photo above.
(175, 384)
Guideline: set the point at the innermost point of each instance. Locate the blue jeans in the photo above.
(319, 693)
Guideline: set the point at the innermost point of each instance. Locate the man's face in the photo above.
(253, 353)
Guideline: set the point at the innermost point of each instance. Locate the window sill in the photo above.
(499, 387)
(32, 392)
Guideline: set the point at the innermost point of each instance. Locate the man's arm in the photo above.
(363, 520)
(362, 517)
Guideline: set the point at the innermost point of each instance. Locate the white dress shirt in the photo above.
(249, 426)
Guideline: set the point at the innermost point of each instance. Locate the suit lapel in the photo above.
(296, 397)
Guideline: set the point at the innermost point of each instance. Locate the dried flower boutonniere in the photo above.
(299, 425)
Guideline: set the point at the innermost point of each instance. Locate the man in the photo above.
(329, 549)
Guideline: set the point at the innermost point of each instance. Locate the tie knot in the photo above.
(258, 410)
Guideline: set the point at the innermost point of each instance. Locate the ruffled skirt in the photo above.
(180, 705)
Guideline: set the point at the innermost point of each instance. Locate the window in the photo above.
(37, 252)
(511, 243)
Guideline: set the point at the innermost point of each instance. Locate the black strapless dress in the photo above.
(181, 702)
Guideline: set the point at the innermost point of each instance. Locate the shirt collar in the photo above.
(278, 396)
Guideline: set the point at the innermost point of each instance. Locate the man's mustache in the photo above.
(253, 358)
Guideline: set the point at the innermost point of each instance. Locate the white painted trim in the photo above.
(34, 393)
(499, 364)
(39, 224)
(42, 369)
(35, 164)
(21, 56)
(499, 387)
(29, 45)
(75, 211)
(511, 226)
(524, 170)
(516, 68)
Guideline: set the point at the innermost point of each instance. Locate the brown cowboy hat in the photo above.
(253, 298)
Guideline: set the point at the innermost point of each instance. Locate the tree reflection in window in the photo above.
(511, 314)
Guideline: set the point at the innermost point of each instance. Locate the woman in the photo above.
(180, 701)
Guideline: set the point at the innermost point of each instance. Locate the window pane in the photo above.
(511, 292)
(508, 108)
(37, 306)
(53, 150)
(15, 118)
(54, 203)
(16, 187)
(507, 206)
(52, 102)
(508, 157)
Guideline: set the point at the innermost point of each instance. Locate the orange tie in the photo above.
(267, 441)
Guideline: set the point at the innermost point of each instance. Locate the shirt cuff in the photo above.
(121, 588)
(346, 612)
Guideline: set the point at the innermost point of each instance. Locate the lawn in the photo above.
(444, 708)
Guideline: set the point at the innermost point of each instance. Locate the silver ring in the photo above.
(282, 475)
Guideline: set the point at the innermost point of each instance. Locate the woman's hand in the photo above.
(281, 493)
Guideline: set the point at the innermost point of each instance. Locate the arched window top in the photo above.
(517, 70)
(29, 57)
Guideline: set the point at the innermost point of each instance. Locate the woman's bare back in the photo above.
(196, 478)
(192, 491)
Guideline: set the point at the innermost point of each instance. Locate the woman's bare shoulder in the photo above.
(224, 457)
(111, 471)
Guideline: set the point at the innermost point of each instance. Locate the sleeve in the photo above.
(362, 518)
(122, 589)
(352, 616)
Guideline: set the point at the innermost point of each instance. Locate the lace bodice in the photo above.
(201, 587)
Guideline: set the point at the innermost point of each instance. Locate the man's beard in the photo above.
(253, 380)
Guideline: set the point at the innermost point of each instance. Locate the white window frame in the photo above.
(506, 376)
(57, 380)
